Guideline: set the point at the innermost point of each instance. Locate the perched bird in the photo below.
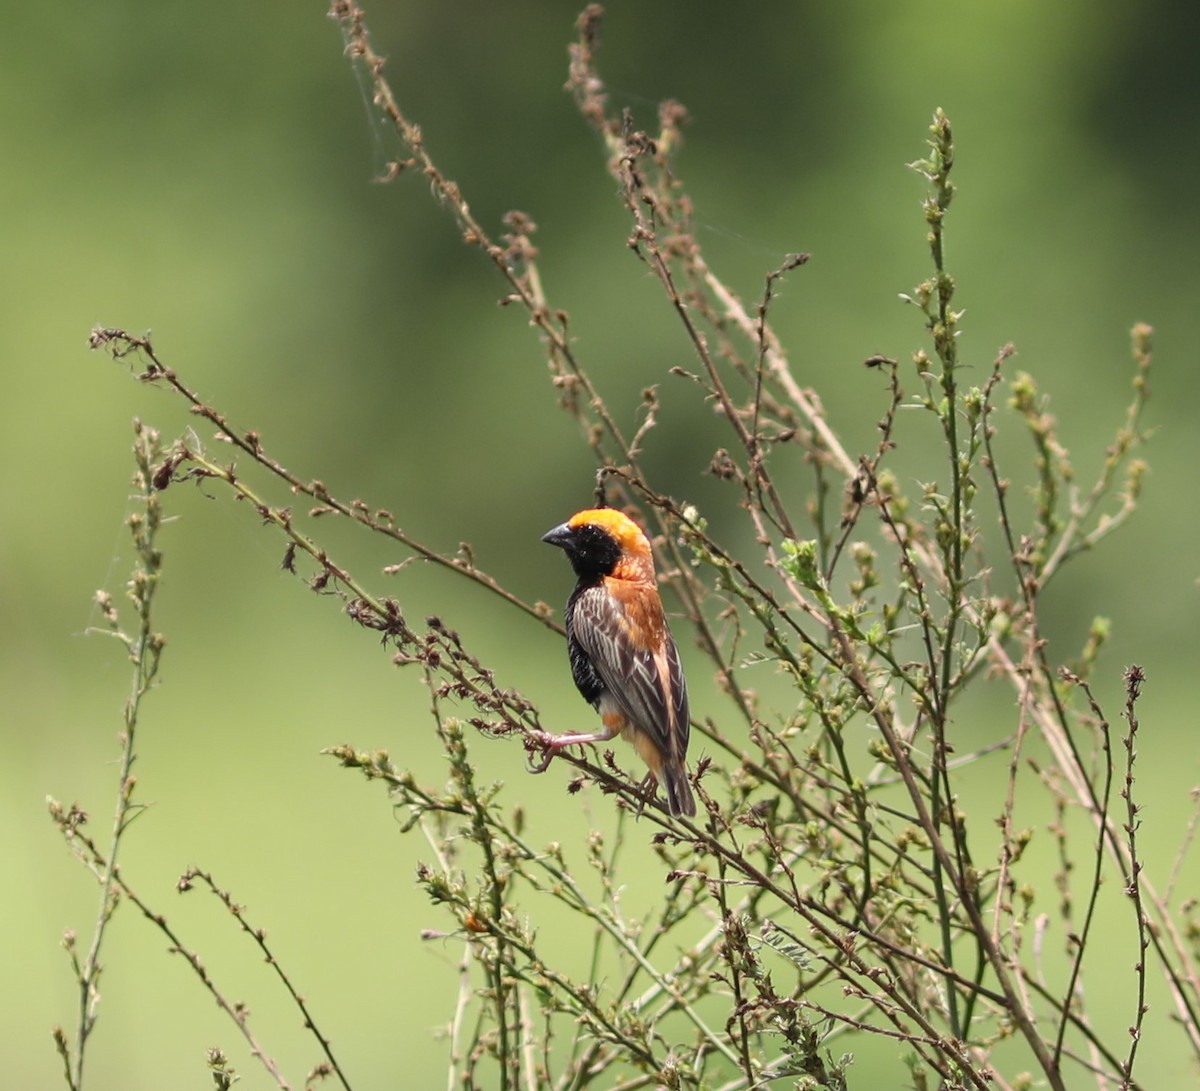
(623, 657)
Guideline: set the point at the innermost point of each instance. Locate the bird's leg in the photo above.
(552, 744)
(649, 785)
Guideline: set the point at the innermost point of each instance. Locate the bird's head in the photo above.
(599, 541)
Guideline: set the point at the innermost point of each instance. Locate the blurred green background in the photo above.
(205, 172)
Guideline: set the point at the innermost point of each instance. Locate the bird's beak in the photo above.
(561, 536)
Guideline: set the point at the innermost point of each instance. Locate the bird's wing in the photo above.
(638, 664)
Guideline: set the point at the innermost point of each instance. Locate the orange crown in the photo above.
(627, 533)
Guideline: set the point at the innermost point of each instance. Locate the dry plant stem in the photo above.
(643, 207)
(661, 988)
(934, 297)
(587, 86)
(754, 594)
(1074, 538)
(653, 212)
(69, 822)
(526, 287)
(1081, 944)
(735, 979)
(1080, 1024)
(382, 614)
(504, 995)
(563, 887)
(949, 867)
(1008, 838)
(509, 260)
(465, 990)
(853, 968)
(1134, 677)
(848, 925)
(121, 344)
(644, 242)
(1051, 716)
(942, 327)
(497, 927)
(259, 937)
(590, 95)
(825, 924)
(849, 663)
(998, 963)
(144, 649)
(865, 484)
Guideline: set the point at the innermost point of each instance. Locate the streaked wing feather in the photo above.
(630, 674)
(679, 696)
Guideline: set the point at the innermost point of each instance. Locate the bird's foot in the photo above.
(552, 744)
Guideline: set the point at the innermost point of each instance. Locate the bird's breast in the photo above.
(645, 625)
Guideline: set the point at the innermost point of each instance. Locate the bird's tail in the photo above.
(680, 800)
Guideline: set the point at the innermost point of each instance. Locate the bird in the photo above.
(624, 661)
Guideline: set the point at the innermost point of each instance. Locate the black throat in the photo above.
(593, 554)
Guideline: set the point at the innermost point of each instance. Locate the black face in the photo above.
(593, 552)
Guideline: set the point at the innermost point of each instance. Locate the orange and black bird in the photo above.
(623, 657)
